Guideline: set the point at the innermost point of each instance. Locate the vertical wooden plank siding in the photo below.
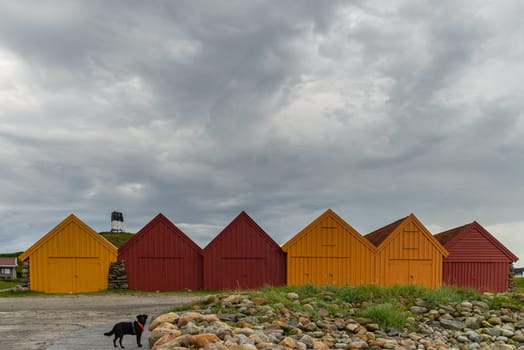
(242, 255)
(476, 259)
(482, 276)
(160, 257)
(70, 258)
(329, 251)
(409, 255)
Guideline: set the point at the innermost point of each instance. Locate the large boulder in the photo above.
(155, 342)
(171, 317)
(161, 331)
(201, 340)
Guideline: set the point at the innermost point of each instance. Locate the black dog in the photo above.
(136, 327)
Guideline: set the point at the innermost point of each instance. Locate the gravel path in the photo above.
(36, 322)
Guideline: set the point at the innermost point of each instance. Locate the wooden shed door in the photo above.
(321, 271)
(87, 275)
(422, 272)
(160, 273)
(73, 275)
(245, 272)
(61, 272)
(404, 271)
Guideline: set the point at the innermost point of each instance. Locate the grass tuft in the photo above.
(385, 315)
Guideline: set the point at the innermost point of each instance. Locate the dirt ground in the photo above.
(35, 322)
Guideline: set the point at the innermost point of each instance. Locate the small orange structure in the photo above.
(329, 251)
(407, 253)
(71, 258)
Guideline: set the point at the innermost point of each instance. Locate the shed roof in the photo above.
(450, 237)
(8, 261)
(381, 235)
(160, 218)
(71, 219)
(378, 236)
(446, 236)
(328, 213)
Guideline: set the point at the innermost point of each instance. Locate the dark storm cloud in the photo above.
(200, 110)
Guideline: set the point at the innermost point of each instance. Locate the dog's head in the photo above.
(141, 318)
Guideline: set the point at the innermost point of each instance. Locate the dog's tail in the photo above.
(110, 333)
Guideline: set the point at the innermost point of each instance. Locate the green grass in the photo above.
(519, 284)
(117, 238)
(388, 307)
(8, 284)
(20, 294)
(385, 315)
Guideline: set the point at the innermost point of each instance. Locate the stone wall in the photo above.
(117, 278)
(25, 274)
(511, 278)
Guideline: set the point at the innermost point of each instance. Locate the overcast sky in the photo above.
(202, 109)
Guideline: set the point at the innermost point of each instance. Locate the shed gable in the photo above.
(327, 236)
(160, 236)
(73, 236)
(408, 237)
(243, 232)
(160, 257)
(329, 251)
(70, 258)
(407, 254)
(473, 243)
(243, 255)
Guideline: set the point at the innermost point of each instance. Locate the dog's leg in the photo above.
(114, 341)
(123, 347)
(138, 336)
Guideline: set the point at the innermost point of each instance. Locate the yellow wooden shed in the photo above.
(71, 258)
(329, 251)
(407, 253)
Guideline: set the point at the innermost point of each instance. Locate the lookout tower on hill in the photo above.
(117, 222)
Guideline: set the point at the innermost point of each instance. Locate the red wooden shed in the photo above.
(476, 259)
(243, 256)
(160, 257)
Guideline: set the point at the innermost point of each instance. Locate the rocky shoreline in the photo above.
(250, 323)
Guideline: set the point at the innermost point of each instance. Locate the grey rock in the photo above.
(506, 332)
(243, 339)
(474, 336)
(418, 309)
(317, 334)
(308, 340)
(463, 339)
(495, 320)
(466, 304)
(420, 302)
(493, 332)
(473, 346)
(227, 317)
(292, 296)
(452, 324)
(472, 322)
(481, 305)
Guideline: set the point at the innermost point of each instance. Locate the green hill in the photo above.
(117, 238)
(10, 255)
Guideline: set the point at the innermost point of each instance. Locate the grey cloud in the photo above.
(200, 110)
